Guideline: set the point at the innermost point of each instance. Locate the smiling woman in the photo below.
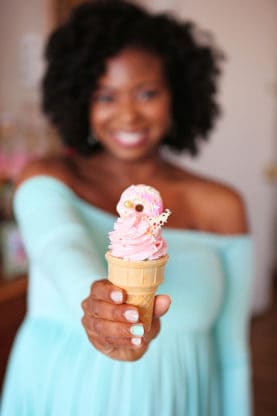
(131, 107)
(121, 82)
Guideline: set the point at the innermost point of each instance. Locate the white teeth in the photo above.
(129, 137)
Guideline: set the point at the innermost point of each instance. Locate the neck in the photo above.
(126, 172)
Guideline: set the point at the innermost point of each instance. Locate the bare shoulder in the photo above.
(222, 206)
(202, 203)
(57, 167)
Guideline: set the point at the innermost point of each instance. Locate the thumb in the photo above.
(161, 306)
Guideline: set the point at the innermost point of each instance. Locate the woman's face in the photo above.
(131, 107)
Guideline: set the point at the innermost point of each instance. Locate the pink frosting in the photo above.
(134, 239)
(143, 195)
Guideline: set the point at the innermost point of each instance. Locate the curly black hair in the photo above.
(77, 51)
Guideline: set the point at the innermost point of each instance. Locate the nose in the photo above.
(128, 111)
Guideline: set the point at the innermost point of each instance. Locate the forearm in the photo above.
(70, 264)
(57, 240)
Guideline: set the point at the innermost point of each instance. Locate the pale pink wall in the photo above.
(16, 19)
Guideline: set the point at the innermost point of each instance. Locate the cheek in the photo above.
(99, 115)
(160, 113)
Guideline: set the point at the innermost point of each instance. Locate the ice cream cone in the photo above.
(140, 279)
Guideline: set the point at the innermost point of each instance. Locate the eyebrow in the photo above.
(143, 83)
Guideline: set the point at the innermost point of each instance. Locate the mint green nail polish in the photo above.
(137, 330)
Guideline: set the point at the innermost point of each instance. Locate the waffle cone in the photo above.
(140, 280)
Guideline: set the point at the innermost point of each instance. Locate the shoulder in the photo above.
(57, 167)
(221, 205)
(203, 204)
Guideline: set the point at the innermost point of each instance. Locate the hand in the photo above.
(112, 325)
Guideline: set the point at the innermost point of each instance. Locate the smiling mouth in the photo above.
(130, 139)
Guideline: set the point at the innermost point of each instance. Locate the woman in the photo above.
(119, 84)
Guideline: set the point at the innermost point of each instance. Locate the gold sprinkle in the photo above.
(128, 204)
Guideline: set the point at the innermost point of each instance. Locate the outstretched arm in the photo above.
(60, 245)
(57, 241)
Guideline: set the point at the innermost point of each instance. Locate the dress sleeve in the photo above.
(232, 329)
(57, 240)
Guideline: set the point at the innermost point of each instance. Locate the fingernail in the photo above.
(117, 296)
(137, 330)
(131, 315)
(136, 341)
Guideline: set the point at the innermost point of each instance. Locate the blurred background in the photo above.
(242, 151)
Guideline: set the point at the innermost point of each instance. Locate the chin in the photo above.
(132, 155)
(135, 157)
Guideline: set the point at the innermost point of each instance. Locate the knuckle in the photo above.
(84, 305)
(123, 331)
(118, 342)
(86, 323)
(96, 284)
(94, 287)
(97, 326)
(83, 321)
(99, 289)
(97, 345)
(116, 313)
(95, 314)
(110, 340)
(89, 325)
(95, 310)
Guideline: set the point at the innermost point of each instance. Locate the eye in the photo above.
(103, 98)
(147, 94)
(139, 207)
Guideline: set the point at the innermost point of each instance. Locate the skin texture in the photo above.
(133, 98)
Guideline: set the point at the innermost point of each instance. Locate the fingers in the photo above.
(109, 329)
(112, 334)
(113, 326)
(104, 290)
(122, 353)
(161, 306)
(110, 323)
(101, 309)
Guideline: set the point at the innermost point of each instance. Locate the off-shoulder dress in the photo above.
(197, 366)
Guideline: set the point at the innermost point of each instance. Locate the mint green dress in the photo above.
(197, 366)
